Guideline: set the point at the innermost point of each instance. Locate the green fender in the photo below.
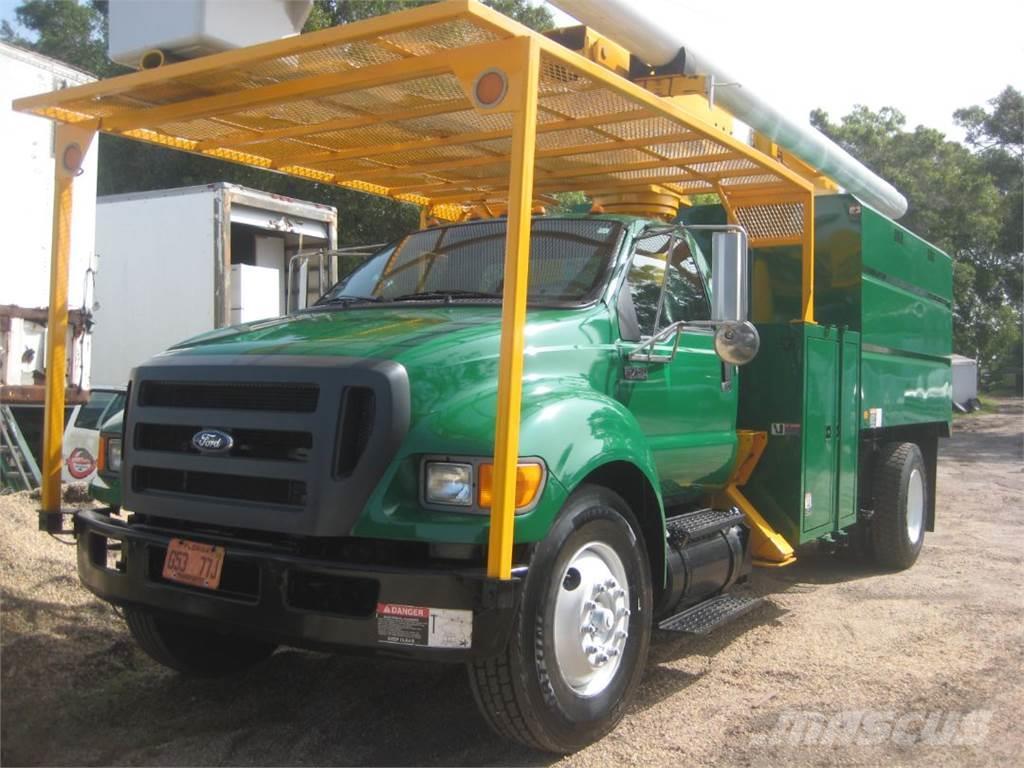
(571, 426)
(577, 430)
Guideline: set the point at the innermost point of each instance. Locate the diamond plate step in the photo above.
(697, 524)
(704, 617)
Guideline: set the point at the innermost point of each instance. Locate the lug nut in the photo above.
(589, 605)
(613, 652)
(590, 650)
(601, 659)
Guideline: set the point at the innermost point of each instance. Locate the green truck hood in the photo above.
(448, 351)
(381, 332)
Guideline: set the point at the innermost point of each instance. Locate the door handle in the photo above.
(828, 432)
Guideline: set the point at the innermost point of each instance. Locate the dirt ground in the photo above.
(942, 640)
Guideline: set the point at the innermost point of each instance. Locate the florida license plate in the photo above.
(195, 564)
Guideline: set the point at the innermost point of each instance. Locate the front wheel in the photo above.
(578, 648)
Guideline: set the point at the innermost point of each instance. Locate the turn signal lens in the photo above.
(528, 481)
(101, 457)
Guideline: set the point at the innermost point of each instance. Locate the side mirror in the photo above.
(737, 342)
(729, 276)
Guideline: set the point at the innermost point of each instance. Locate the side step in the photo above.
(695, 525)
(702, 618)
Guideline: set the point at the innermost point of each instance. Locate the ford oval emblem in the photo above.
(212, 441)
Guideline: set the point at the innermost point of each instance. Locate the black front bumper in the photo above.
(258, 596)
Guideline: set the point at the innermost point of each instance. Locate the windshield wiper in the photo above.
(446, 295)
(344, 299)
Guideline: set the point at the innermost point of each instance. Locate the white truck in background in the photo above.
(179, 262)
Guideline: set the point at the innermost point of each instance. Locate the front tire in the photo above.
(193, 649)
(901, 504)
(579, 644)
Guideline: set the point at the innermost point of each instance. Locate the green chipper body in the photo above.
(875, 367)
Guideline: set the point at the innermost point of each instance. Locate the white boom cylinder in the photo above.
(653, 30)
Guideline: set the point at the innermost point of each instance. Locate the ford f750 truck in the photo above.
(522, 443)
(330, 472)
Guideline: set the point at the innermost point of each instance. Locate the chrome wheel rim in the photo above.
(915, 506)
(591, 619)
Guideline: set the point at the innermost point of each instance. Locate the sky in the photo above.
(925, 58)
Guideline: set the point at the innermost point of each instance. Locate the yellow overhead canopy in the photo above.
(385, 106)
(395, 106)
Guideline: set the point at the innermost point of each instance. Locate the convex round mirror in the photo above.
(737, 342)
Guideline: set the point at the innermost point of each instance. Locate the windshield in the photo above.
(569, 259)
(360, 282)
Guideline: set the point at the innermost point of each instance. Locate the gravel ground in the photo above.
(940, 641)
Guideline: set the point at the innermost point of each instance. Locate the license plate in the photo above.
(190, 562)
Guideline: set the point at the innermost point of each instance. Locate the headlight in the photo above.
(449, 483)
(114, 454)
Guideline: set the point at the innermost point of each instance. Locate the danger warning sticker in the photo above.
(423, 626)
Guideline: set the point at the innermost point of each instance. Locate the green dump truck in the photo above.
(323, 479)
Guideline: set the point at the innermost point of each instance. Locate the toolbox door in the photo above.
(849, 430)
(820, 432)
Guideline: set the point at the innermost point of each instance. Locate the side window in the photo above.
(115, 407)
(646, 274)
(685, 297)
(89, 414)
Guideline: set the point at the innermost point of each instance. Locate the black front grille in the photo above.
(235, 396)
(311, 439)
(268, 490)
(272, 444)
(355, 424)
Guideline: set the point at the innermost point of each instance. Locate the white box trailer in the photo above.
(175, 263)
(965, 380)
(26, 218)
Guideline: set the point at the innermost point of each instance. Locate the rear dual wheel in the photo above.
(901, 503)
(578, 648)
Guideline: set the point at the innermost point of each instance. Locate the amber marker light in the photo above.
(529, 478)
(72, 159)
(101, 458)
(490, 88)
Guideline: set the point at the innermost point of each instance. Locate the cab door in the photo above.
(686, 407)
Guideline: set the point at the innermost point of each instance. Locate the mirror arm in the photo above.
(638, 354)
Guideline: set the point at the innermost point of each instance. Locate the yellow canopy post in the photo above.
(389, 106)
(513, 314)
(70, 145)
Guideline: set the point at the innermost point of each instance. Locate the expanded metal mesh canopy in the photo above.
(386, 106)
